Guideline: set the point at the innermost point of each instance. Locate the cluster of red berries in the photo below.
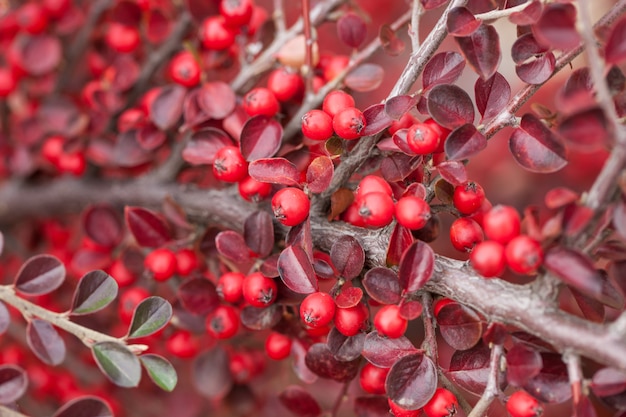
(442, 404)
(338, 115)
(164, 263)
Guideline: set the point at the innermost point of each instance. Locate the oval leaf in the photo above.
(161, 372)
(398, 106)
(204, 144)
(260, 318)
(13, 383)
(45, 342)
(401, 238)
(258, 233)
(323, 363)
(118, 363)
(535, 147)
(615, 49)
(167, 106)
(416, 266)
(450, 106)
(345, 348)
(492, 95)
(217, 99)
(85, 406)
(274, 171)
(40, 54)
(211, 374)
(384, 352)
(383, 285)
(470, 368)
(365, 77)
(260, 138)
(460, 326)
(319, 174)
(537, 70)
(95, 290)
(347, 256)
(40, 274)
(522, 363)
(232, 245)
(464, 142)
(461, 22)
(151, 315)
(198, 295)
(412, 381)
(608, 381)
(148, 229)
(575, 269)
(557, 26)
(586, 131)
(296, 270)
(349, 297)
(443, 68)
(376, 120)
(552, 384)
(297, 400)
(482, 50)
(453, 172)
(351, 30)
(103, 225)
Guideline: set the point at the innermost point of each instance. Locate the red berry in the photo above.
(317, 309)
(260, 100)
(488, 258)
(389, 322)
(442, 404)
(285, 84)
(230, 165)
(502, 224)
(522, 404)
(182, 344)
(223, 322)
(398, 411)
(215, 34)
(349, 321)
(412, 212)
(56, 8)
(291, 206)
(422, 139)
(465, 233)
(372, 379)
(441, 131)
(524, 255)
(122, 38)
(404, 122)
(236, 12)
(376, 209)
(73, 163)
(352, 216)
(336, 101)
(32, 18)
(371, 184)
(259, 290)
(440, 304)
(334, 65)
(52, 149)
(230, 287)
(468, 197)
(186, 262)
(253, 190)
(349, 123)
(129, 300)
(278, 346)
(317, 125)
(184, 69)
(8, 82)
(161, 263)
(121, 274)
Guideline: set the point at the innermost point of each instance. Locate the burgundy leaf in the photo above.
(586, 131)
(300, 235)
(128, 153)
(297, 400)
(174, 213)
(592, 310)
(95, 290)
(537, 71)
(453, 171)
(460, 326)
(211, 374)
(323, 269)
(39, 275)
(391, 43)
(158, 26)
(432, 4)
(261, 318)
(148, 229)
(482, 50)
(450, 106)
(298, 352)
(13, 383)
(40, 54)
(167, 106)
(260, 138)
(103, 225)
(150, 137)
(365, 77)
(371, 406)
(84, 406)
(45, 342)
(258, 232)
(461, 22)
(492, 95)
(615, 49)
(416, 266)
(204, 144)
(443, 68)
(296, 271)
(384, 352)
(464, 142)
(351, 30)
(198, 295)
(522, 363)
(532, 341)
(376, 119)
(192, 112)
(399, 166)
(526, 47)
(275, 171)
(398, 106)
(233, 246)
(410, 310)
(319, 174)
(608, 381)
(216, 99)
(495, 333)
(412, 381)
(535, 147)
(401, 238)
(551, 385)
(323, 363)
(349, 297)
(557, 26)
(529, 15)
(470, 368)
(347, 256)
(383, 285)
(560, 197)
(345, 348)
(575, 269)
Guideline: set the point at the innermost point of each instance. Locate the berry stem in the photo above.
(492, 389)
(308, 44)
(279, 18)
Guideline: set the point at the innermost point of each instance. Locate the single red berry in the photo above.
(230, 287)
(129, 300)
(334, 65)
(352, 216)
(522, 404)
(259, 290)
(73, 163)
(223, 322)
(336, 101)
(372, 379)
(349, 321)
(161, 263)
(440, 304)
(245, 365)
(215, 34)
(502, 224)
(186, 262)
(371, 184)
(286, 84)
(389, 322)
(376, 209)
(349, 123)
(468, 197)
(412, 212)
(230, 165)
(121, 274)
(182, 344)
(317, 125)
(398, 411)
(52, 149)
(132, 118)
(291, 206)
(422, 139)
(317, 309)
(465, 233)
(278, 346)
(442, 404)
(236, 12)
(524, 254)
(8, 82)
(404, 122)
(56, 8)
(441, 131)
(253, 190)
(488, 259)
(260, 100)
(32, 18)
(184, 69)
(122, 38)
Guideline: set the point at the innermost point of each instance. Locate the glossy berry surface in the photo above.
(412, 212)
(524, 255)
(261, 101)
(161, 263)
(317, 125)
(186, 262)
(465, 233)
(389, 322)
(376, 209)
(350, 321)
(182, 344)
(422, 139)
(371, 184)
(236, 12)
(502, 223)
(278, 346)
(468, 197)
(230, 286)
(442, 404)
(122, 38)
(184, 69)
(215, 34)
(253, 190)
(317, 309)
(259, 290)
(290, 206)
(336, 101)
(230, 165)
(372, 379)
(349, 123)
(398, 411)
(488, 259)
(286, 84)
(223, 322)
(522, 404)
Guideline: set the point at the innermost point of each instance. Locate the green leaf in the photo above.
(118, 363)
(95, 290)
(151, 315)
(161, 372)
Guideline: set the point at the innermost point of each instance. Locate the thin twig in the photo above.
(279, 17)
(309, 41)
(499, 14)
(430, 336)
(416, 14)
(493, 385)
(575, 374)
(340, 399)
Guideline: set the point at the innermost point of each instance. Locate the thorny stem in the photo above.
(309, 41)
(492, 389)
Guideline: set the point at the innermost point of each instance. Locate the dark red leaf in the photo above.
(167, 107)
(482, 50)
(575, 269)
(460, 326)
(233, 246)
(557, 26)
(450, 106)
(343, 347)
(103, 225)
(551, 385)
(127, 151)
(158, 26)
(401, 238)
(275, 171)
(384, 352)
(40, 54)
(412, 381)
(390, 42)
(260, 138)
(150, 137)
(45, 342)
(397, 166)
(492, 95)
(300, 235)
(410, 310)
(495, 333)
(351, 30)
(261, 318)
(453, 171)
(398, 106)
(608, 381)
(319, 174)
(443, 68)
(365, 77)
(586, 131)
(416, 266)
(383, 285)
(347, 256)
(464, 142)
(560, 197)
(522, 363)
(192, 112)
(615, 49)
(204, 144)
(376, 119)
(13, 383)
(349, 297)
(372, 406)
(591, 309)
(526, 47)
(535, 147)
(529, 15)
(297, 400)
(258, 232)
(198, 295)
(470, 369)
(84, 406)
(323, 363)
(211, 374)
(296, 271)
(148, 228)
(217, 99)
(461, 22)
(538, 70)
(39, 275)
(432, 4)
